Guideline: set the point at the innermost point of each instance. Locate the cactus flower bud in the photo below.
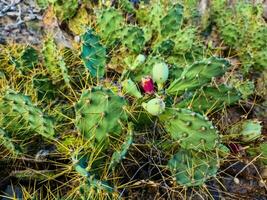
(130, 88)
(155, 106)
(160, 74)
(147, 85)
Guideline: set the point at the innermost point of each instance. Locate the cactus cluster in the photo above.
(133, 65)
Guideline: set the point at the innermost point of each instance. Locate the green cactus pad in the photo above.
(133, 38)
(21, 114)
(110, 22)
(198, 74)
(171, 22)
(191, 168)
(93, 54)
(65, 9)
(54, 61)
(192, 130)
(210, 99)
(99, 113)
(119, 155)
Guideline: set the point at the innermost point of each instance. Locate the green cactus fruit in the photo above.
(210, 99)
(155, 106)
(8, 143)
(93, 54)
(21, 115)
(249, 130)
(65, 9)
(191, 168)
(120, 154)
(129, 87)
(160, 73)
(110, 22)
(192, 130)
(172, 21)
(133, 39)
(198, 74)
(99, 113)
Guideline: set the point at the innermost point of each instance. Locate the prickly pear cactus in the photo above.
(65, 9)
(192, 130)
(155, 106)
(210, 99)
(110, 22)
(248, 130)
(171, 22)
(100, 114)
(21, 115)
(133, 39)
(54, 62)
(198, 74)
(8, 143)
(191, 168)
(120, 154)
(93, 54)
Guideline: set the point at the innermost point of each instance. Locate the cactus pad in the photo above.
(198, 74)
(99, 113)
(93, 54)
(192, 130)
(21, 114)
(191, 168)
(109, 22)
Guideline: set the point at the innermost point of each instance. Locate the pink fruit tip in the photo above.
(147, 85)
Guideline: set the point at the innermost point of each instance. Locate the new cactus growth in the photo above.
(129, 87)
(21, 114)
(191, 168)
(93, 54)
(192, 130)
(160, 73)
(99, 114)
(155, 106)
(198, 74)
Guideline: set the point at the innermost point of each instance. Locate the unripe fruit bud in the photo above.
(155, 106)
(160, 73)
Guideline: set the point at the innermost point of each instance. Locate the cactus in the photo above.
(155, 106)
(191, 168)
(21, 115)
(120, 154)
(160, 73)
(129, 87)
(248, 130)
(8, 143)
(54, 61)
(99, 113)
(210, 99)
(110, 23)
(133, 39)
(171, 22)
(93, 54)
(65, 9)
(198, 74)
(190, 129)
